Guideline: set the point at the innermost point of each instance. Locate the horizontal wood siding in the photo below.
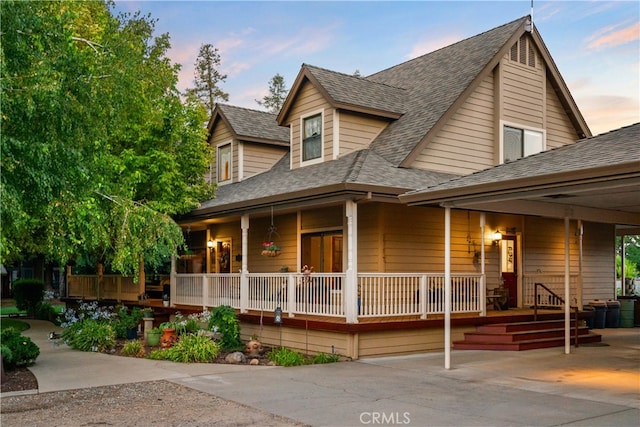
(358, 345)
(465, 143)
(369, 237)
(398, 342)
(523, 93)
(220, 134)
(306, 341)
(287, 239)
(560, 131)
(322, 218)
(259, 158)
(420, 246)
(598, 265)
(544, 246)
(357, 131)
(307, 101)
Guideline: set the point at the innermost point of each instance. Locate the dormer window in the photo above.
(224, 163)
(312, 137)
(518, 143)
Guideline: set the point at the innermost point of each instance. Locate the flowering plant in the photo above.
(270, 249)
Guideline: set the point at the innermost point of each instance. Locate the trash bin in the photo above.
(613, 314)
(627, 308)
(588, 314)
(600, 308)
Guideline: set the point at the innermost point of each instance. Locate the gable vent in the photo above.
(523, 52)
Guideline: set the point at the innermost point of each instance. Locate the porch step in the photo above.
(522, 336)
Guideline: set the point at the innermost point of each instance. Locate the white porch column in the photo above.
(483, 284)
(244, 280)
(351, 282)
(447, 288)
(567, 297)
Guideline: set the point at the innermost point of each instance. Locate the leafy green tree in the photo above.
(208, 78)
(98, 149)
(277, 94)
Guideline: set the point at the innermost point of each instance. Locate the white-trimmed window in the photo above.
(311, 146)
(518, 143)
(223, 157)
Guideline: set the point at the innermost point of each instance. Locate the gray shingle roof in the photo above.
(434, 82)
(616, 147)
(362, 168)
(254, 124)
(352, 90)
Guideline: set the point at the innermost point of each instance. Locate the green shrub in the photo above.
(90, 335)
(28, 294)
(46, 311)
(225, 320)
(325, 358)
(133, 348)
(7, 355)
(22, 351)
(125, 320)
(190, 348)
(285, 357)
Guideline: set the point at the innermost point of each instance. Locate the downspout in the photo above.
(567, 304)
(447, 287)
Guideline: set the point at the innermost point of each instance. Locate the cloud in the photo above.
(426, 46)
(610, 36)
(607, 112)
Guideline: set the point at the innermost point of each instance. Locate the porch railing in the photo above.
(398, 294)
(113, 287)
(321, 294)
(555, 284)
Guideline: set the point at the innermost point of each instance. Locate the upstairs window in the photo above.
(518, 143)
(312, 137)
(224, 163)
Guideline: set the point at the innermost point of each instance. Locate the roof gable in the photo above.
(348, 92)
(250, 125)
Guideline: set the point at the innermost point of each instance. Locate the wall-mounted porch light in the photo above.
(496, 237)
(211, 244)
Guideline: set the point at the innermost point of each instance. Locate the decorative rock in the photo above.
(254, 362)
(235, 357)
(253, 348)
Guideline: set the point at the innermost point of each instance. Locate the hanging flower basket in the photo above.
(270, 249)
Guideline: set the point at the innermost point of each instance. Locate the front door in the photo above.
(322, 251)
(509, 266)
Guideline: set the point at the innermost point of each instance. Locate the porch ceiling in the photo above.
(614, 202)
(596, 179)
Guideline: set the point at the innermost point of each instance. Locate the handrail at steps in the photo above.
(535, 307)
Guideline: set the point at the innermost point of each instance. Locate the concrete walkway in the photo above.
(595, 385)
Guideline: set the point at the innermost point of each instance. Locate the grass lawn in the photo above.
(9, 308)
(14, 323)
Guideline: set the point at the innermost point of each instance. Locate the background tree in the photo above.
(277, 94)
(98, 149)
(207, 77)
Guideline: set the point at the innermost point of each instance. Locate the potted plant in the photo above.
(165, 300)
(270, 249)
(130, 321)
(147, 313)
(153, 337)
